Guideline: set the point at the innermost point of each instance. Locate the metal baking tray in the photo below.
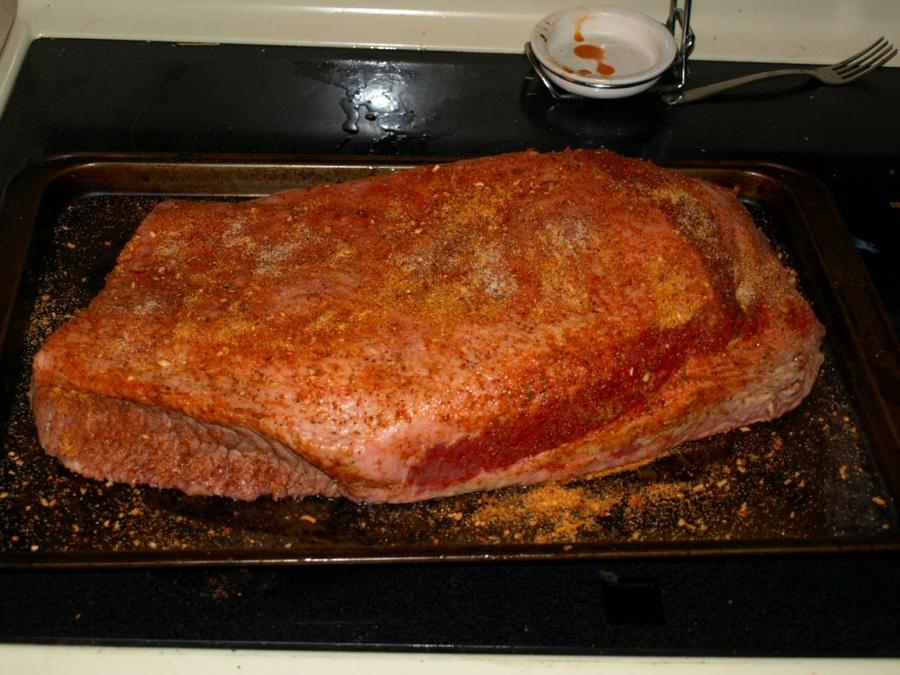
(823, 478)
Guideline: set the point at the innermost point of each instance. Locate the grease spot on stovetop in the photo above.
(379, 100)
(376, 93)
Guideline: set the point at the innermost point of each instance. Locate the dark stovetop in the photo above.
(81, 96)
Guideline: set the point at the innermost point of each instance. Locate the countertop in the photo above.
(102, 95)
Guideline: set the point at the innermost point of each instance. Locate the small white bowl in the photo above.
(634, 50)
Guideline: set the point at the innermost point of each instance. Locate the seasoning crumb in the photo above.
(844, 472)
(880, 501)
(308, 518)
(745, 429)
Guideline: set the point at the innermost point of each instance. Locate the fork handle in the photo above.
(698, 93)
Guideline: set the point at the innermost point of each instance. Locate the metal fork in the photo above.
(874, 56)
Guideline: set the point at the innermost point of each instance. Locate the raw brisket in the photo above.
(466, 326)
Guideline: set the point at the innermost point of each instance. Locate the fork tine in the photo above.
(887, 57)
(875, 65)
(849, 68)
(860, 54)
(870, 57)
(876, 60)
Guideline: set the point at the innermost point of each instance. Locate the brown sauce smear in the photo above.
(579, 36)
(595, 53)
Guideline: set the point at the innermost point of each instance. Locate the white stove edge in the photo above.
(71, 660)
(737, 30)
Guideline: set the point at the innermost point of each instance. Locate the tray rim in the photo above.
(810, 200)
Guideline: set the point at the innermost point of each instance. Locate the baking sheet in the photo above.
(823, 477)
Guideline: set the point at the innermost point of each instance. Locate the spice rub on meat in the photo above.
(466, 326)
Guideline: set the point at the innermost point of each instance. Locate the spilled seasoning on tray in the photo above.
(833, 491)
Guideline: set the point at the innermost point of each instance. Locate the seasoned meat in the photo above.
(466, 326)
